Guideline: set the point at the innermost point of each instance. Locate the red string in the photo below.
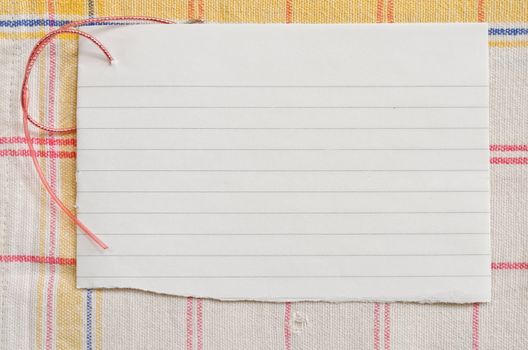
(24, 100)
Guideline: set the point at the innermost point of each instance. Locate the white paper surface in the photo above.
(286, 162)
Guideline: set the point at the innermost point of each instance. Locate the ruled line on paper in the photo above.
(283, 170)
(283, 212)
(315, 191)
(379, 128)
(294, 276)
(271, 255)
(283, 86)
(284, 107)
(288, 234)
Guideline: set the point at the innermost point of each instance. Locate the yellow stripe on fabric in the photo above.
(506, 10)
(436, 11)
(337, 11)
(245, 11)
(33, 36)
(70, 301)
(273, 10)
(69, 310)
(98, 319)
(71, 7)
(508, 44)
(165, 9)
(23, 7)
(43, 205)
(39, 7)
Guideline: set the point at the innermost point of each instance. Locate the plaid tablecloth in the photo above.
(40, 308)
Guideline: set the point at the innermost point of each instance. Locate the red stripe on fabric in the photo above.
(287, 326)
(40, 154)
(38, 141)
(376, 326)
(37, 259)
(189, 324)
(509, 160)
(390, 11)
(509, 266)
(509, 148)
(386, 327)
(379, 11)
(476, 312)
(199, 324)
(289, 11)
(481, 16)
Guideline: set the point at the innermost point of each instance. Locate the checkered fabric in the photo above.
(40, 308)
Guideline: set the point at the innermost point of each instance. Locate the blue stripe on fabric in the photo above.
(508, 31)
(58, 23)
(89, 319)
(49, 23)
(32, 23)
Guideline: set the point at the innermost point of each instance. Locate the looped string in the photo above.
(24, 100)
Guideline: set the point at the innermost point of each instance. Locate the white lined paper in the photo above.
(254, 162)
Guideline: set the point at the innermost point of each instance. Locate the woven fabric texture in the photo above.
(40, 308)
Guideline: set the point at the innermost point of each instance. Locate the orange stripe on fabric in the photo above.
(289, 11)
(390, 11)
(201, 10)
(379, 11)
(190, 9)
(481, 15)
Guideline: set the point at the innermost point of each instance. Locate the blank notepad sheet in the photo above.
(286, 162)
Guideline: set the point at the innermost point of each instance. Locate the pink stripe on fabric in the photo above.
(509, 148)
(476, 312)
(509, 266)
(37, 259)
(376, 326)
(509, 160)
(189, 323)
(38, 141)
(50, 300)
(386, 327)
(40, 154)
(287, 326)
(199, 324)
